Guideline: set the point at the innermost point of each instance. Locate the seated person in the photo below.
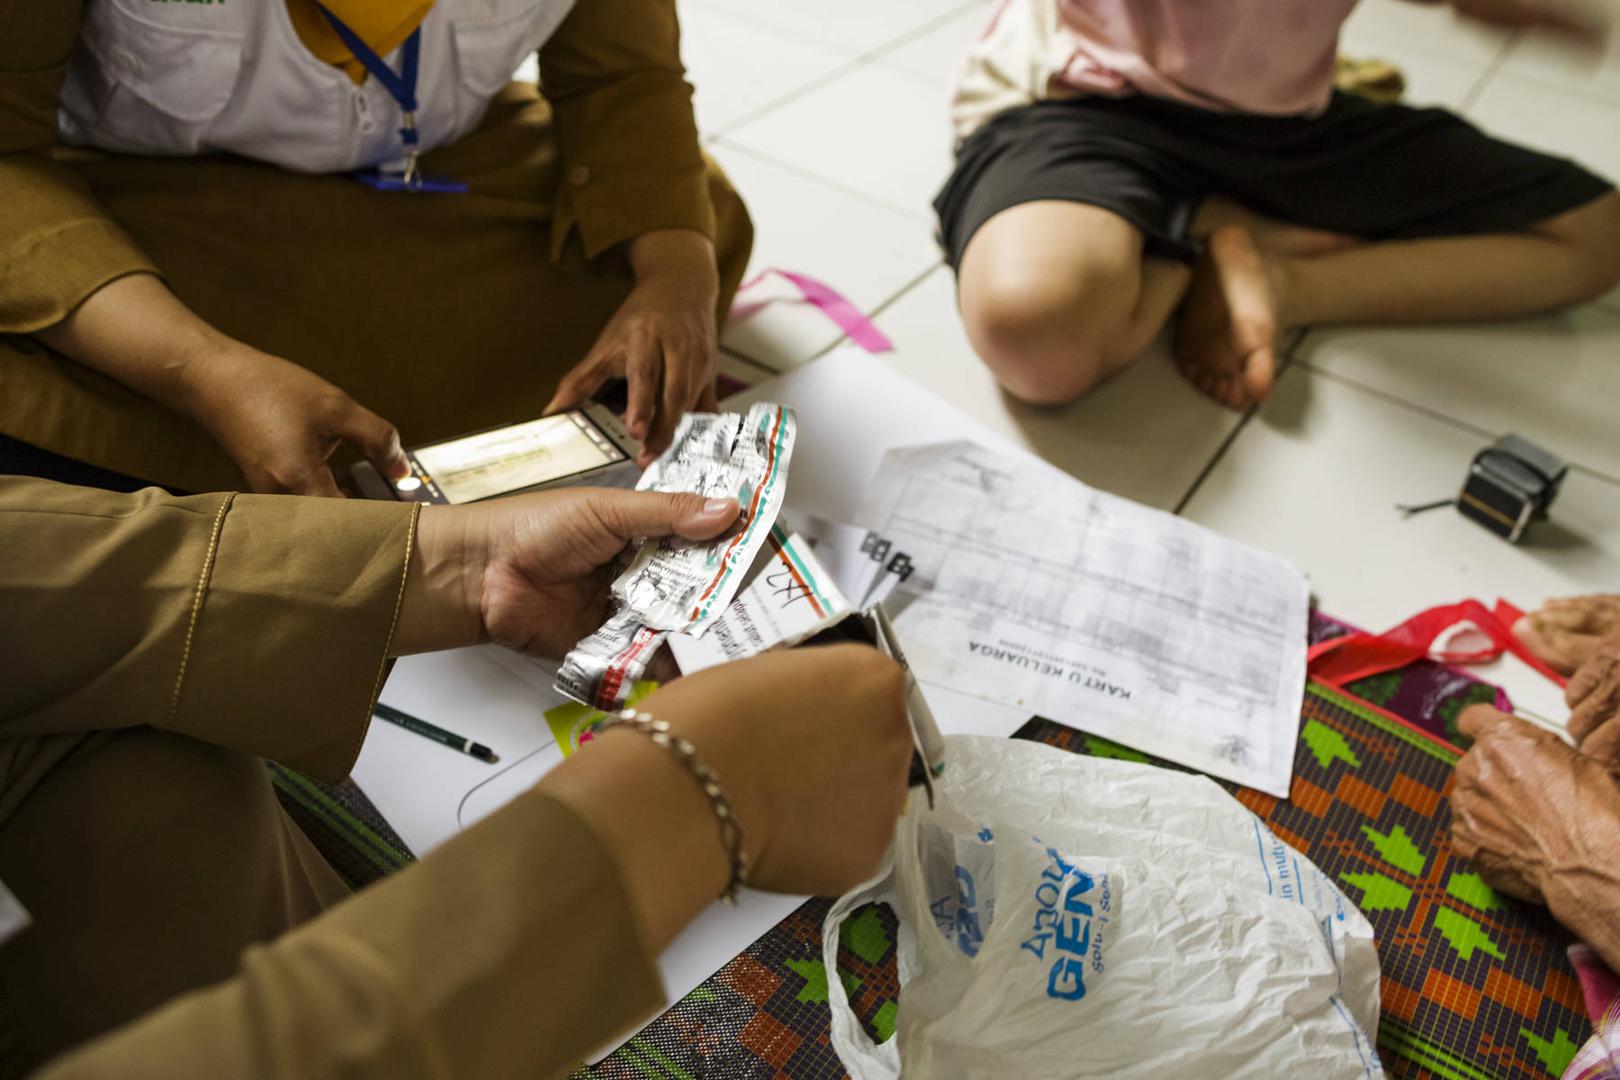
(194, 292)
(154, 648)
(1120, 162)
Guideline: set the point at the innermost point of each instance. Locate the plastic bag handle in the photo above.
(865, 1059)
(1360, 654)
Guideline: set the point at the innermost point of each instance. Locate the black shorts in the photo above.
(1377, 172)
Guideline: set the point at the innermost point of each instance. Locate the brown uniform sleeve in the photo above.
(509, 952)
(213, 616)
(262, 623)
(57, 244)
(631, 158)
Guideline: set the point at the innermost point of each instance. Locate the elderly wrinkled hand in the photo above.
(1537, 818)
(1567, 631)
(1593, 695)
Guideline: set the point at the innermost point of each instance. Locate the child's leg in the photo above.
(1243, 295)
(1056, 296)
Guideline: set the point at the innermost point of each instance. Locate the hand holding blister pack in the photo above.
(1068, 916)
(681, 585)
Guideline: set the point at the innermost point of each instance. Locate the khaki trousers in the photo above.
(151, 860)
(442, 313)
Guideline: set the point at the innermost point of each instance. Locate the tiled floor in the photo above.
(831, 118)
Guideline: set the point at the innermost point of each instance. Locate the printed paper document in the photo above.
(1034, 590)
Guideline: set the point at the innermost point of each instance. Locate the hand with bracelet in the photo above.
(809, 747)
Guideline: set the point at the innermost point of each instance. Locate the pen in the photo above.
(437, 734)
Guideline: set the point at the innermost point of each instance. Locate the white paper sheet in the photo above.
(1035, 590)
(851, 409)
(481, 693)
(866, 565)
(848, 553)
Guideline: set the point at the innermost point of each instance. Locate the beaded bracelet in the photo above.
(730, 832)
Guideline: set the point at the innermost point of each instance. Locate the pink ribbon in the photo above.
(832, 303)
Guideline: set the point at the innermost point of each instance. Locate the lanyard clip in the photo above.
(407, 134)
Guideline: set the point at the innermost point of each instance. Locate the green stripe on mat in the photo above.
(625, 1053)
(663, 1059)
(1402, 1040)
(379, 852)
(1334, 696)
(361, 837)
(334, 819)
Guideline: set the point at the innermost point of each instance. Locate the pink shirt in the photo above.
(1272, 57)
(1256, 56)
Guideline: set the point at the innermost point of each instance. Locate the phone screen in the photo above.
(513, 458)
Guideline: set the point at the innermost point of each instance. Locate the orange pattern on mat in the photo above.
(770, 1039)
(1516, 994)
(1361, 795)
(1459, 997)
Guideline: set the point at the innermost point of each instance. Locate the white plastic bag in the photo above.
(1070, 916)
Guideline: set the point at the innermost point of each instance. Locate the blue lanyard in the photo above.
(401, 87)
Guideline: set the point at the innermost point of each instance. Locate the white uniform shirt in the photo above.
(172, 78)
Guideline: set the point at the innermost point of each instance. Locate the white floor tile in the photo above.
(1146, 434)
(738, 66)
(1555, 380)
(1588, 71)
(866, 251)
(853, 27)
(1533, 113)
(871, 129)
(1431, 29)
(1443, 64)
(1316, 476)
(933, 57)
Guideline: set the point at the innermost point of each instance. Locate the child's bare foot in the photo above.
(1226, 337)
(1268, 234)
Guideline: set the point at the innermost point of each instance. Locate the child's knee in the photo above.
(1042, 342)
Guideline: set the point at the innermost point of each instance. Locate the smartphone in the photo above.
(582, 446)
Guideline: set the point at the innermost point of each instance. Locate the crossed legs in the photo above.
(1056, 296)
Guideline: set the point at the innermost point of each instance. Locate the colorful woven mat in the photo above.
(1475, 985)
